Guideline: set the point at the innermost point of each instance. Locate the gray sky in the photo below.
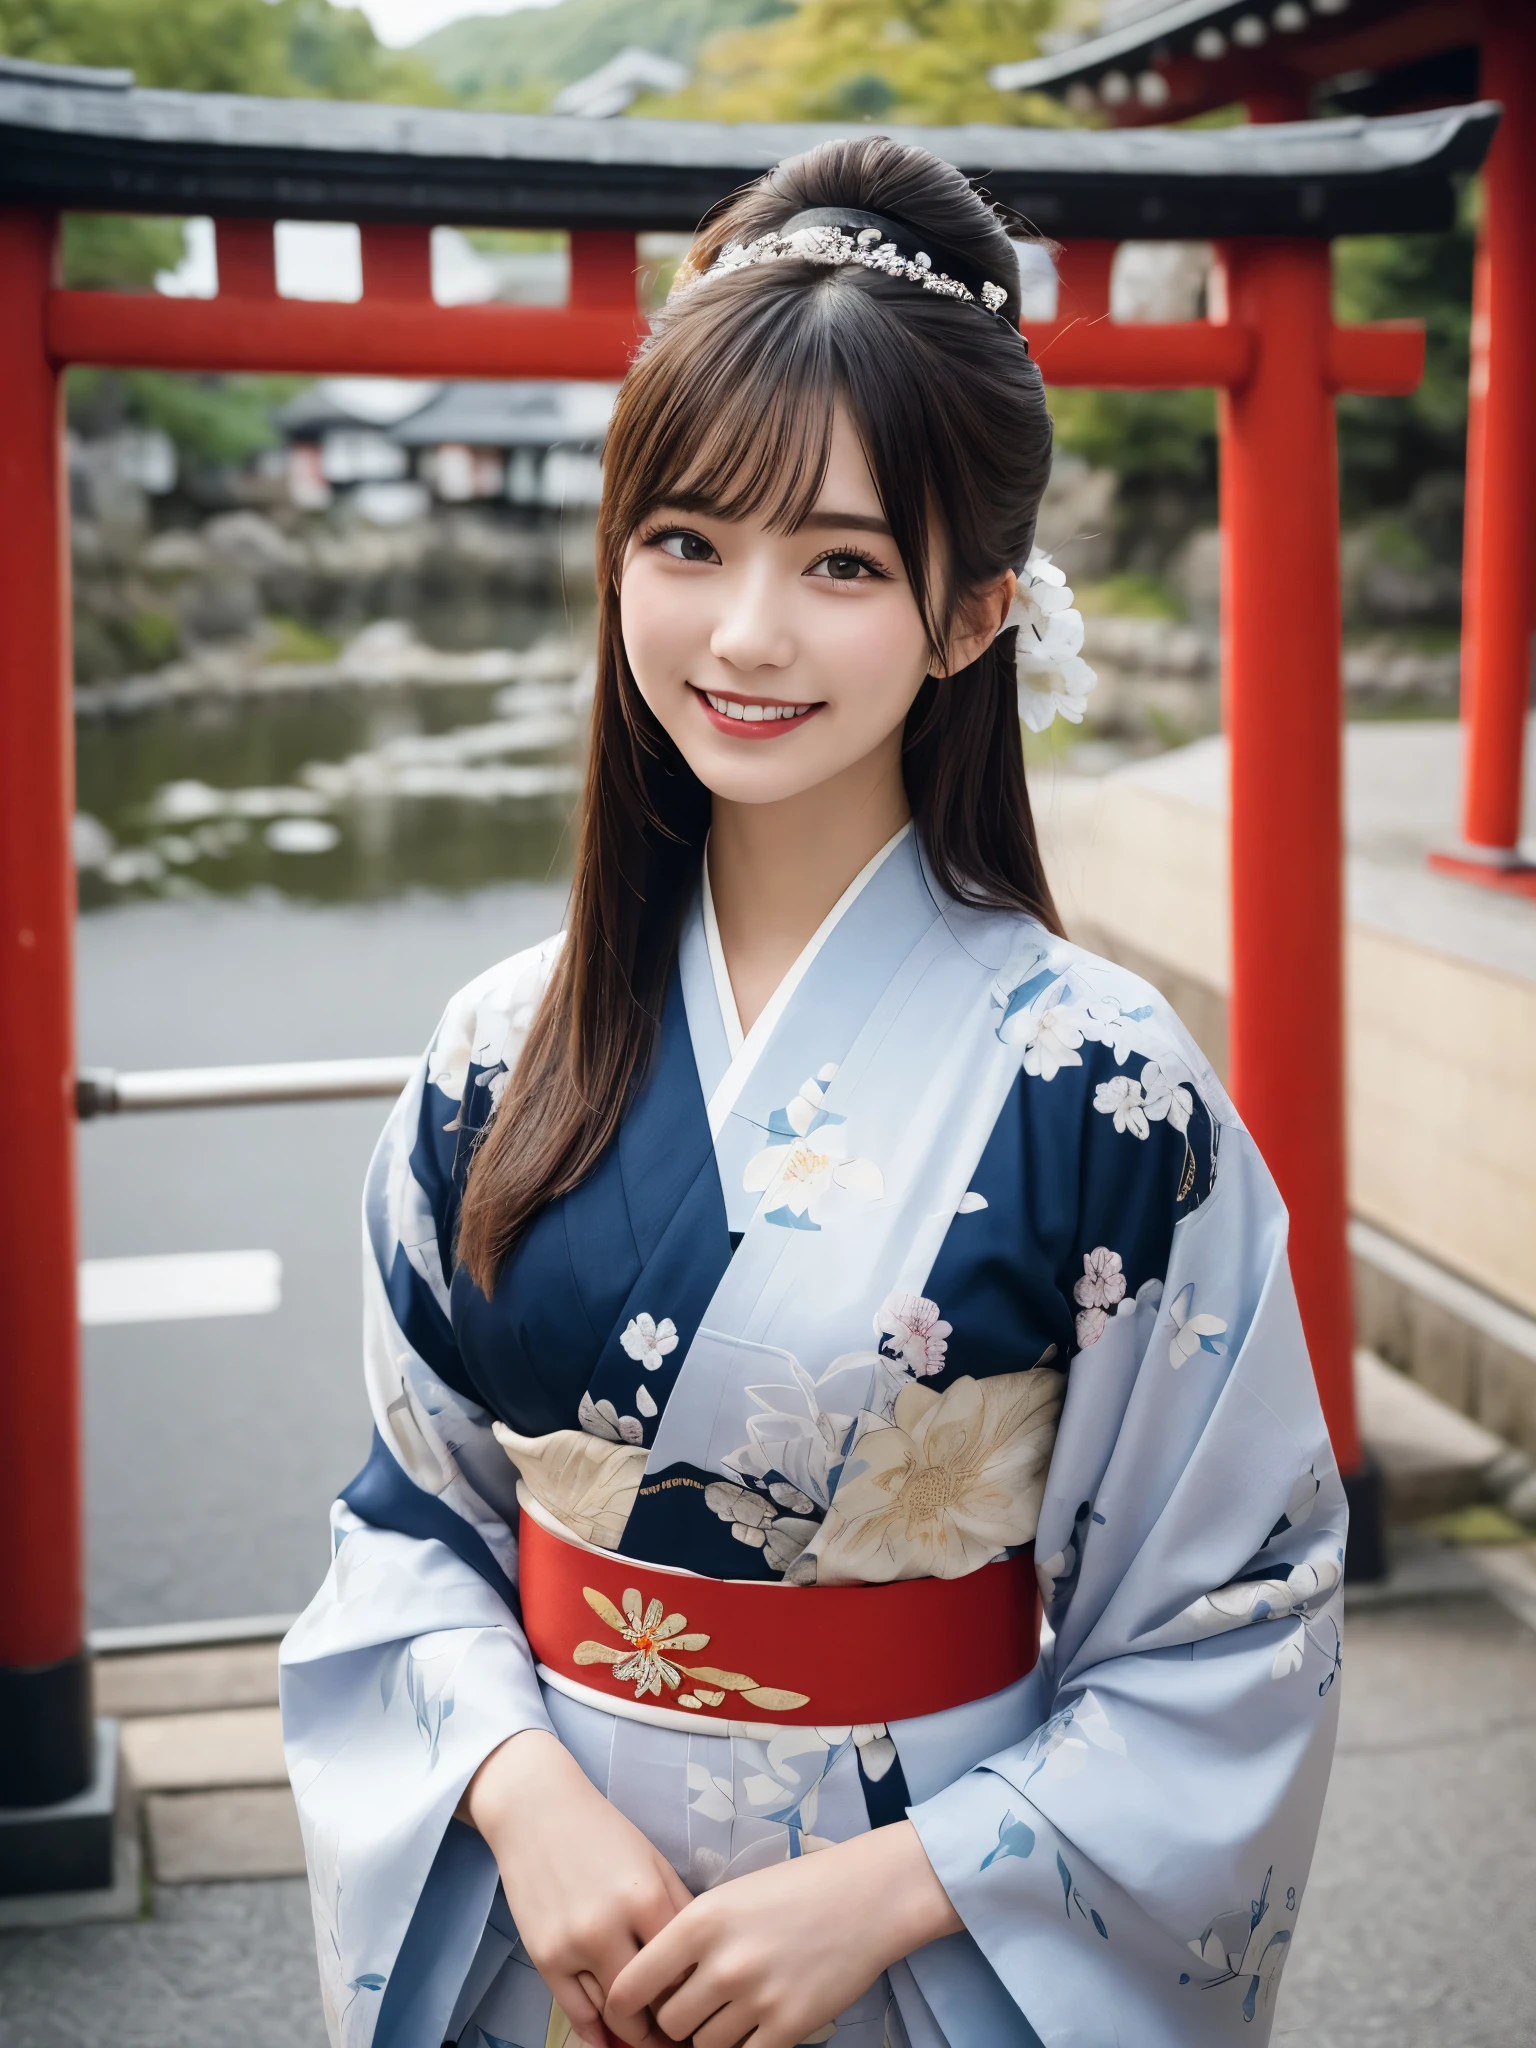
(399, 22)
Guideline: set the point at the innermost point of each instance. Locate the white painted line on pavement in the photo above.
(170, 1287)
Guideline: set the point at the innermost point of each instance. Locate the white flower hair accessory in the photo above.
(1053, 677)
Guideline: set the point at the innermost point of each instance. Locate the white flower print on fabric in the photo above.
(1061, 1746)
(644, 1401)
(914, 1332)
(1166, 1097)
(1301, 1591)
(756, 1520)
(806, 1158)
(1099, 1290)
(1247, 1946)
(1192, 1333)
(486, 1024)
(803, 1450)
(1108, 1024)
(953, 1482)
(1121, 1098)
(1051, 1043)
(1291, 1653)
(601, 1418)
(648, 1341)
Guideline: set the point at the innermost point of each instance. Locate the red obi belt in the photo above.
(745, 1650)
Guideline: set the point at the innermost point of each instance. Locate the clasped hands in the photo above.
(766, 1960)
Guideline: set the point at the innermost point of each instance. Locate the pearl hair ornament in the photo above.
(826, 241)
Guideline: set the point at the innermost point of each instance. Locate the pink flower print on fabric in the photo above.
(915, 1333)
(1100, 1289)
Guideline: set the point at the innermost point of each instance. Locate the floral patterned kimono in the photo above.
(961, 1247)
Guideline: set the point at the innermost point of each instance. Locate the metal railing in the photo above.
(101, 1091)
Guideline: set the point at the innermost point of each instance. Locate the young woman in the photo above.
(778, 1279)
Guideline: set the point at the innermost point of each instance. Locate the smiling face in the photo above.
(776, 660)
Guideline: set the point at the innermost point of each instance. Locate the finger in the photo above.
(631, 2031)
(585, 2018)
(682, 2013)
(639, 2032)
(731, 2027)
(664, 1961)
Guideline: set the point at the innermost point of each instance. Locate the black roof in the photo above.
(1143, 37)
(510, 415)
(105, 145)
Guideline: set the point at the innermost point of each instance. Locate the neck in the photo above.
(775, 870)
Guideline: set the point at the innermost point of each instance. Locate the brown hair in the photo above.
(730, 406)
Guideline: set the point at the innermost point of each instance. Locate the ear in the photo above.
(981, 617)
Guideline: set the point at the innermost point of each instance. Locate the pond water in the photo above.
(349, 794)
(301, 873)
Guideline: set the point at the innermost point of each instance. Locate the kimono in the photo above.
(960, 1248)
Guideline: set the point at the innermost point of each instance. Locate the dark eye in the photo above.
(842, 568)
(683, 546)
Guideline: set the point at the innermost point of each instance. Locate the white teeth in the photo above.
(753, 714)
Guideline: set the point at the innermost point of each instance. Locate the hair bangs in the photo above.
(752, 437)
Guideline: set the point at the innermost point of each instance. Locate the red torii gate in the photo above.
(1373, 57)
(1273, 352)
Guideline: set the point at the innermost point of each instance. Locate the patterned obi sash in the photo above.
(734, 1650)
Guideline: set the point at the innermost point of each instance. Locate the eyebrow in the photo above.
(818, 521)
(861, 522)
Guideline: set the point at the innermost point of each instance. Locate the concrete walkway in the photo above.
(1416, 1931)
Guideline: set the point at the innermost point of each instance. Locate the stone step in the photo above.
(206, 1837)
(1433, 1457)
(199, 1752)
(183, 1681)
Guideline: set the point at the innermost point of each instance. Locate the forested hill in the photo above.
(522, 59)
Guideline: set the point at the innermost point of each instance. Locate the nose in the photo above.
(751, 631)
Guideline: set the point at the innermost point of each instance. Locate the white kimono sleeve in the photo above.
(1133, 1871)
(408, 1668)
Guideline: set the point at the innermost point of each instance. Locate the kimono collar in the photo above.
(744, 1048)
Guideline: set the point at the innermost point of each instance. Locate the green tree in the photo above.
(870, 60)
(520, 60)
(198, 45)
(277, 47)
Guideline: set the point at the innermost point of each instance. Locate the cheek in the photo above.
(875, 656)
(662, 621)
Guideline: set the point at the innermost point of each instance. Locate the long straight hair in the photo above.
(730, 405)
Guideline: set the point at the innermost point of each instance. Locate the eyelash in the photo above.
(651, 535)
(876, 569)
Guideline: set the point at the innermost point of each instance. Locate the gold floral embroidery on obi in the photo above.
(655, 1638)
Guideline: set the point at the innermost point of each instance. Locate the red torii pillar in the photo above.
(1278, 361)
(1498, 603)
(1277, 354)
